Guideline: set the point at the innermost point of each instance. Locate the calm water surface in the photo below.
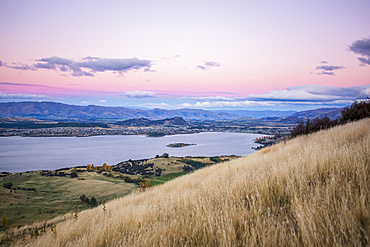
(19, 154)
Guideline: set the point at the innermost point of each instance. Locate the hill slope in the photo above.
(311, 191)
(331, 113)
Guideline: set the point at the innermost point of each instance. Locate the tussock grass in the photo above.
(311, 191)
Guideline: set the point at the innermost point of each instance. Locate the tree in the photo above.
(5, 220)
(356, 111)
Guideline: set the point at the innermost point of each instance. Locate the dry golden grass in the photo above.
(311, 191)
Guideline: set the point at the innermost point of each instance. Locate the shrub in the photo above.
(93, 202)
(8, 185)
(215, 159)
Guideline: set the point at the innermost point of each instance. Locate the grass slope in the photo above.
(311, 191)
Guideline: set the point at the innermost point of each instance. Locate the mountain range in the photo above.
(144, 122)
(60, 111)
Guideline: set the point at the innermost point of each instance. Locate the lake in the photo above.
(20, 154)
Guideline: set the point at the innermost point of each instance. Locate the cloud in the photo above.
(114, 64)
(20, 66)
(81, 73)
(326, 96)
(213, 98)
(155, 105)
(327, 73)
(362, 47)
(1, 63)
(327, 69)
(102, 101)
(208, 104)
(208, 65)
(315, 93)
(56, 61)
(21, 96)
(44, 66)
(140, 94)
(364, 60)
(87, 66)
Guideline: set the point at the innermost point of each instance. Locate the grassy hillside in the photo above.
(310, 191)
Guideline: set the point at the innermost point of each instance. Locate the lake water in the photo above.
(20, 154)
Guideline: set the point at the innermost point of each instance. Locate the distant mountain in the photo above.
(260, 114)
(59, 111)
(144, 122)
(331, 113)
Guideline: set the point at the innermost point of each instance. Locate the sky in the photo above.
(213, 55)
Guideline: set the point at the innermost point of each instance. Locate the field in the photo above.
(36, 198)
(310, 191)
(55, 195)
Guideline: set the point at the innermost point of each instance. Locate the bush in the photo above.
(8, 185)
(356, 111)
(195, 164)
(93, 202)
(215, 159)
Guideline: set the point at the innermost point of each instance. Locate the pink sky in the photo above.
(175, 54)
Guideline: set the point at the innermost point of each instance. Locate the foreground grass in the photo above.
(311, 191)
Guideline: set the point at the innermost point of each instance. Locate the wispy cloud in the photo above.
(327, 69)
(21, 96)
(140, 94)
(362, 47)
(20, 66)
(208, 65)
(87, 66)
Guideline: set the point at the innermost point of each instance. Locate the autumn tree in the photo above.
(5, 220)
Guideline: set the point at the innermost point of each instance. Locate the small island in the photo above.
(179, 145)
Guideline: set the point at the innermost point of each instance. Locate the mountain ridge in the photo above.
(61, 111)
